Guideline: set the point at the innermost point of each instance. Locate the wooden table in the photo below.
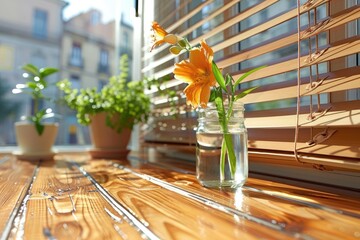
(74, 197)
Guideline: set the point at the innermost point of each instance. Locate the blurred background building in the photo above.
(85, 47)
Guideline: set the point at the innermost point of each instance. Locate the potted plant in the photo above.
(111, 112)
(35, 138)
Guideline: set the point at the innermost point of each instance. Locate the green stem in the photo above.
(231, 153)
(227, 143)
(222, 160)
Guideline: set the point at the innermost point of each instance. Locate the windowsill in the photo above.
(335, 180)
(163, 197)
(57, 149)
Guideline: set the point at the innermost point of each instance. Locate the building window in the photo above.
(75, 58)
(104, 61)
(95, 18)
(40, 23)
(104, 57)
(75, 81)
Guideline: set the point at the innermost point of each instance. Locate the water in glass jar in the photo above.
(208, 160)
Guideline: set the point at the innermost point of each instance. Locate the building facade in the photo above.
(30, 32)
(84, 48)
(87, 60)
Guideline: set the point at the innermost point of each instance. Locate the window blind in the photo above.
(307, 106)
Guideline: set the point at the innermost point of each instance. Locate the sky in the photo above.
(107, 7)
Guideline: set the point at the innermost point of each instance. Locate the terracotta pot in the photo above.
(32, 145)
(107, 142)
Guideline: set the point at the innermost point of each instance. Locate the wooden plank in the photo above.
(300, 211)
(64, 205)
(173, 216)
(15, 179)
(306, 212)
(95, 199)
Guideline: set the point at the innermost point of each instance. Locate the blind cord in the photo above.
(298, 84)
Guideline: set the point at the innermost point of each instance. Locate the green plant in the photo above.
(35, 85)
(124, 103)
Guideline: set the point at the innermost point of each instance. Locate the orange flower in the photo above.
(160, 36)
(197, 71)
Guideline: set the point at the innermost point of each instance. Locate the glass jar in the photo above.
(212, 141)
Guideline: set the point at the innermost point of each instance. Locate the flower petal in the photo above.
(205, 96)
(197, 71)
(208, 52)
(157, 43)
(159, 31)
(171, 39)
(159, 36)
(184, 71)
(193, 93)
(197, 58)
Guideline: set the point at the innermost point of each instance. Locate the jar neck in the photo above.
(210, 113)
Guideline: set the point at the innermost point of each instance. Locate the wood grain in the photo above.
(172, 216)
(65, 205)
(296, 211)
(15, 178)
(74, 197)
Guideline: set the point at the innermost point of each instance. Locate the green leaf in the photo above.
(245, 92)
(212, 95)
(37, 121)
(230, 152)
(39, 128)
(218, 76)
(32, 85)
(227, 79)
(222, 159)
(220, 109)
(40, 114)
(182, 43)
(229, 82)
(44, 72)
(240, 79)
(31, 69)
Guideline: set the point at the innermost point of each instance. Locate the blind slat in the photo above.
(185, 18)
(275, 128)
(332, 118)
(339, 19)
(339, 144)
(219, 28)
(340, 80)
(337, 50)
(262, 27)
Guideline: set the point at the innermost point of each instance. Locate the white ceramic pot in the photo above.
(33, 146)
